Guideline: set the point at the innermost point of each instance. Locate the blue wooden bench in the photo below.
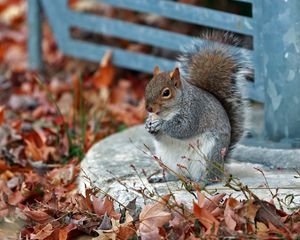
(275, 28)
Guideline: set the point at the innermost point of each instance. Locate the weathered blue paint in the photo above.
(278, 43)
(61, 18)
(189, 13)
(274, 26)
(35, 41)
(129, 31)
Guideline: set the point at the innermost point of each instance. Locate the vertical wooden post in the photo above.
(34, 22)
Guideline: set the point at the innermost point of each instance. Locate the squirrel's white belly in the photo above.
(186, 157)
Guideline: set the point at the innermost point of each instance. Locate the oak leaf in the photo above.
(151, 218)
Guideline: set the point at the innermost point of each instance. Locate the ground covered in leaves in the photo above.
(48, 122)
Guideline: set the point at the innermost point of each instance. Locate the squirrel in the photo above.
(196, 112)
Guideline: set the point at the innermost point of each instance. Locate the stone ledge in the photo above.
(109, 161)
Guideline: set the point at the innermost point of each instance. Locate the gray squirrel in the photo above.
(197, 111)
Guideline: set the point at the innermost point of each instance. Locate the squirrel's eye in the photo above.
(166, 93)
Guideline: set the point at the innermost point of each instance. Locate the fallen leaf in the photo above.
(249, 211)
(43, 233)
(229, 213)
(1, 115)
(267, 214)
(35, 136)
(64, 232)
(15, 198)
(32, 151)
(104, 206)
(262, 230)
(37, 215)
(151, 218)
(206, 219)
(63, 175)
(106, 72)
(126, 231)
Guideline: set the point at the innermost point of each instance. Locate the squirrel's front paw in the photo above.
(153, 126)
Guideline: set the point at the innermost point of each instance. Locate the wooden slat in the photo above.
(129, 31)
(134, 61)
(61, 19)
(133, 32)
(121, 58)
(189, 13)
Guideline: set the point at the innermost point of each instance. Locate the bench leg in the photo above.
(34, 21)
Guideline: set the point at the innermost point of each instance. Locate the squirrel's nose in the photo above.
(149, 109)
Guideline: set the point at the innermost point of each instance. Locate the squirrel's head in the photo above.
(163, 92)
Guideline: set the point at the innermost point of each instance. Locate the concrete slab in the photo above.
(109, 166)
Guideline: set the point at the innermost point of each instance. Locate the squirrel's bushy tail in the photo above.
(220, 68)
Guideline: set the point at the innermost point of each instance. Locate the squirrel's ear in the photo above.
(156, 70)
(175, 76)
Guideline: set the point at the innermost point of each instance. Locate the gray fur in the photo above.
(199, 113)
(232, 95)
(209, 105)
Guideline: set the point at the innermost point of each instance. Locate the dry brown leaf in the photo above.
(212, 203)
(151, 218)
(35, 136)
(126, 231)
(43, 233)
(63, 175)
(37, 215)
(267, 214)
(229, 213)
(101, 207)
(64, 232)
(32, 151)
(248, 211)
(262, 230)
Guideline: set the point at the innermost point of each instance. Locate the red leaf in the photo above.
(1, 115)
(35, 136)
(105, 73)
(206, 219)
(63, 233)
